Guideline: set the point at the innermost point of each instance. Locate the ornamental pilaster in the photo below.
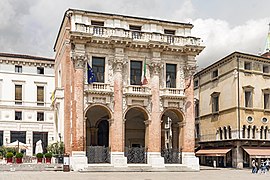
(155, 68)
(118, 63)
(78, 60)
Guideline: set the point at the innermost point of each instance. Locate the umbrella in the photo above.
(39, 148)
(17, 144)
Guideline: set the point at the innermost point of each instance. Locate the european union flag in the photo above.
(90, 75)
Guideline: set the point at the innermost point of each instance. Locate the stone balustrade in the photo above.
(136, 35)
(98, 87)
(172, 92)
(133, 89)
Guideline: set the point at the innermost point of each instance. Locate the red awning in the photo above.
(213, 152)
(257, 152)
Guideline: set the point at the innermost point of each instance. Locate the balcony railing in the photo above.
(98, 87)
(172, 92)
(136, 35)
(133, 89)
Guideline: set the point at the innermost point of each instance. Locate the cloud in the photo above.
(221, 39)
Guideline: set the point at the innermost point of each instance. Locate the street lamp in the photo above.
(59, 135)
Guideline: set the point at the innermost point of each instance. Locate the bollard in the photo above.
(66, 167)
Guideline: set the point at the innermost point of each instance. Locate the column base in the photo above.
(190, 160)
(118, 159)
(155, 160)
(78, 160)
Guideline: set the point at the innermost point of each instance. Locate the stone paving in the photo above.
(207, 174)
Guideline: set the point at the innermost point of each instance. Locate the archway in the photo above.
(171, 135)
(97, 134)
(135, 135)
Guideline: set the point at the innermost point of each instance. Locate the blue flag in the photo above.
(90, 75)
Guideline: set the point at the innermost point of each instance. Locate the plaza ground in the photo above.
(206, 174)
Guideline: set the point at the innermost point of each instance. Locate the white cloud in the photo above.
(221, 39)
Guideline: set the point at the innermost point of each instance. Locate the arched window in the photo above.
(253, 132)
(220, 133)
(248, 132)
(244, 132)
(265, 132)
(261, 132)
(230, 132)
(225, 132)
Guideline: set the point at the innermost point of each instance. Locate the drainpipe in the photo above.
(238, 98)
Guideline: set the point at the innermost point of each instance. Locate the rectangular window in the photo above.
(169, 33)
(135, 72)
(97, 23)
(136, 34)
(18, 135)
(248, 98)
(196, 83)
(18, 115)
(265, 69)
(18, 94)
(18, 69)
(197, 109)
(43, 136)
(215, 103)
(247, 65)
(40, 95)
(98, 66)
(40, 116)
(266, 101)
(40, 70)
(215, 73)
(171, 75)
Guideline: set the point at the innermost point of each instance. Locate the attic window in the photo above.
(135, 28)
(247, 65)
(170, 32)
(97, 23)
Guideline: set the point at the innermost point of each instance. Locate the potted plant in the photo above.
(19, 157)
(9, 156)
(39, 157)
(48, 157)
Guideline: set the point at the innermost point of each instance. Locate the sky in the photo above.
(31, 26)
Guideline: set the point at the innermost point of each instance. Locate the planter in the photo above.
(18, 160)
(9, 160)
(39, 160)
(48, 160)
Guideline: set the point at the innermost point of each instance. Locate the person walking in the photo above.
(254, 169)
(263, 167)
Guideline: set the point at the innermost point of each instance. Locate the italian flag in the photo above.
(144, 80)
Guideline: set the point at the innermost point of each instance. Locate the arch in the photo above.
(230, 132)
(145, 112)
(265, 132)
(108, 110)
(178, 112)
(244, 131)
(248, 131)
(225, 132)
(220, 133)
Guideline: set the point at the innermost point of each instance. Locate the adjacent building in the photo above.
(232, 110)
(26, 84)
(124, 89)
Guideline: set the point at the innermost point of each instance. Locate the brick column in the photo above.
(117, 125)
(154, 129)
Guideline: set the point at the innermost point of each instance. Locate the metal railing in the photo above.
(136, 155)
(98, 154)
(172, 156)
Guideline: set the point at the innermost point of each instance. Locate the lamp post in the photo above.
(59, 135)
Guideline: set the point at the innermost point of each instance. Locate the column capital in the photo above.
(78, 60)
(118, 64)
(189, 70)
(147, 122)
(155, 67)
(181, 124)
(110, 121)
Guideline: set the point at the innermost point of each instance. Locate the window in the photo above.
(169, 33)
(264, 120)
(196, 83)
(249, 119)
(247, 65)
(265, 69)
(40, 70)
(18, 94)
(171, 75)
(215, 102)
(1, 138)
(40, 116)
(135, 72)
(253, 132)
(220, 133)
(230, 132)
(197, 130)
(98, 27)
(43, 136)
(225, 132)
(18, 135)
(136, 34)
(266, 104)
(18, 115)
(197, 110)
(40, 95)
(18, 69)
(215, 73)
(248, 98)
(98, 65)
(248, 132)
(244, 132)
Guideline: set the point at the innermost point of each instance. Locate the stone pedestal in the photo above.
(118, 159)
(190, 160)
(155, 160)
(78, 160)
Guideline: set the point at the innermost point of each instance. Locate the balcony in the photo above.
(172, 92)
(134, 90)
(98, 88)
(108, 32)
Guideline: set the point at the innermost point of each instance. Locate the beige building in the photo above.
(232, 110)
(119, 80)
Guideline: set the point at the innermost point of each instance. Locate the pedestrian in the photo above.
(257, 166)
(263, 167)
(254, 169)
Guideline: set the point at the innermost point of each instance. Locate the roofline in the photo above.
(25, 56)
(226, 57)
(119, 15)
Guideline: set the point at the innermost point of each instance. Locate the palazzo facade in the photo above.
(124, 90)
